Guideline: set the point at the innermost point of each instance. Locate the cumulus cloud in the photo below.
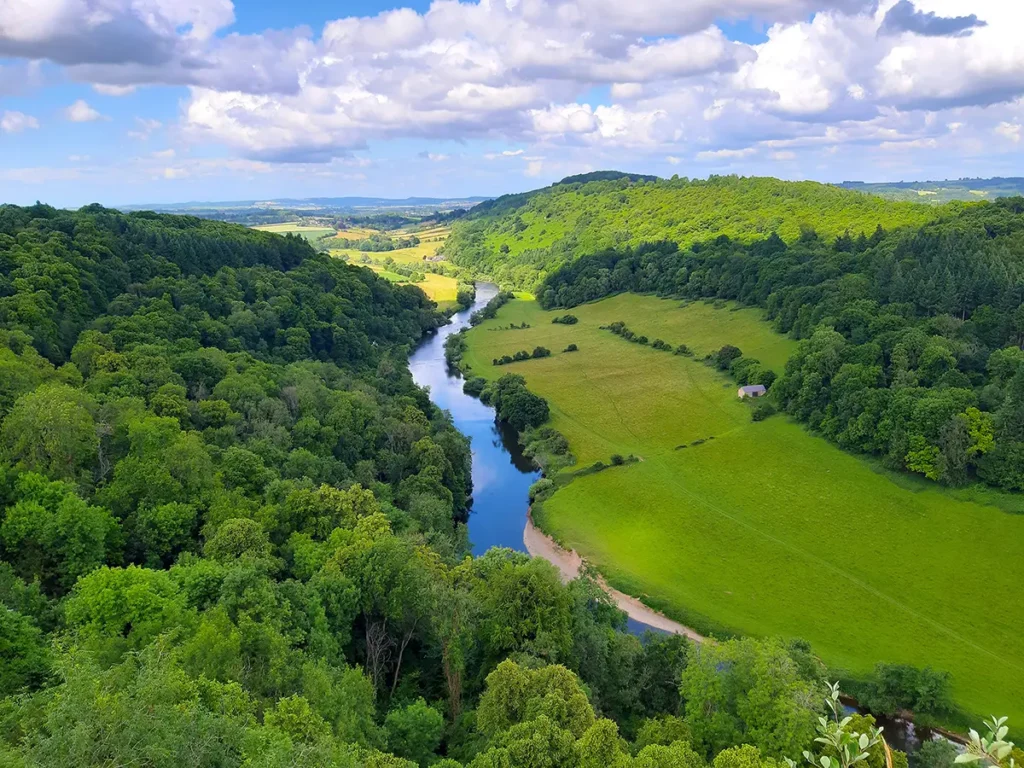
(16, 122)
(81, 112)
(904, 17)
(651, 77)
(1009, 131)
(145, 32)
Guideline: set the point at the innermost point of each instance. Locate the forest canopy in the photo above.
(519, 239)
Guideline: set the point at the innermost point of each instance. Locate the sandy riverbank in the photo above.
(569, 562)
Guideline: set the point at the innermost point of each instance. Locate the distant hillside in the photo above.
(937, 192)
(520, 238)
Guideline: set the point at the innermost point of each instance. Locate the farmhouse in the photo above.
(755, 390)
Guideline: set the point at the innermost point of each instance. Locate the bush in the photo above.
(640, 339)
(618, 460)
(542, 489)
(898, 687)
(682, 349)
(474, 386)
(763, 409)
(723, 358)
(541, 352)
(566, 320)
(571, 348)
(936, 754)
(659, 344)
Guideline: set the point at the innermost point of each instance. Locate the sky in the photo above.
(157, 101)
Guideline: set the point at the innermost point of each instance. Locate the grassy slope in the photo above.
(765, 529)
(581, 219)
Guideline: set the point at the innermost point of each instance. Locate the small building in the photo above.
(754, 390)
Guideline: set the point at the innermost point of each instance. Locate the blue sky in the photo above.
(130, 101)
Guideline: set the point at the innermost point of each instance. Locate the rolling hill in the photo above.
(518, 239)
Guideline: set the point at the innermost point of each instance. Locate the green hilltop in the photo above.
(518, 239)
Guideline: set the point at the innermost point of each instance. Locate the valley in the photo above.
(734, 526)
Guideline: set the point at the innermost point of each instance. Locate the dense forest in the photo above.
(913, 340)
(519, 239)
(231, 534)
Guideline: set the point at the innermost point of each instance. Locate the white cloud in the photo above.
(81, 112)
(846, 74)
(175, 173)
(534, 168)
(164, 154)
(1009, 131)
(673, 160)
(16, 122)
(726, 154)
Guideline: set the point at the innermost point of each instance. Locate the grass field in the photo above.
(310, 233)
(440, 289)
(355, 233)
(765, 529)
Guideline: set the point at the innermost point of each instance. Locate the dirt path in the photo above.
(568, 562)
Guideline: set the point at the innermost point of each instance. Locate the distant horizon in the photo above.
(475, 198)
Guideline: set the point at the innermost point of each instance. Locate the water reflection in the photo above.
(502, 476)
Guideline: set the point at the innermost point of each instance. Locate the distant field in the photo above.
(765, 529)
(439, 288)
(355, 233)
(407, 256)
(310, 233)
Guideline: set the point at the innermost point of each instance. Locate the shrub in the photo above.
(640, 339)
(474, 386)
(659, 344)
(541, 352)
(566, 320)
(541, 490)
(763, 409)
(682, 349)
(618, 460)
(571, 348)
(936, 754)
(723, 358)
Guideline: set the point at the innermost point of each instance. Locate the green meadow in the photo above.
(762, 528)
(310, 233)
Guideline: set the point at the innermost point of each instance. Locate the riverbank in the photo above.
(569, 563)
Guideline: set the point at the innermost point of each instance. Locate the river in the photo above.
(502, 476)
